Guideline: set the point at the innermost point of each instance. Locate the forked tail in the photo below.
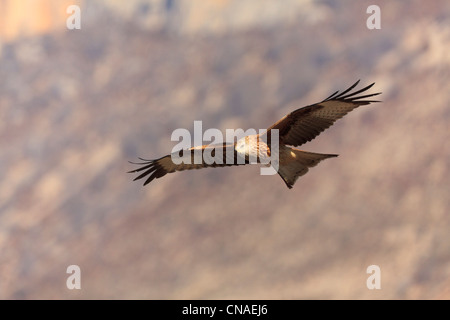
(297, 163)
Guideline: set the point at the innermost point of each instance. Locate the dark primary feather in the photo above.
(152, 168)
(343, 97)
(304, 124)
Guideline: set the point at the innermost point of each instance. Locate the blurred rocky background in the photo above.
(77, 105)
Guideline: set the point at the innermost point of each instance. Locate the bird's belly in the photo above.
(261, 154)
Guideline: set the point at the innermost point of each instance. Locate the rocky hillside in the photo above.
(77, 105)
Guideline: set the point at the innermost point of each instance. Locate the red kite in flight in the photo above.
(295, 129)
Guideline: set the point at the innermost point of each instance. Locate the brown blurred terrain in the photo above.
(77, 105)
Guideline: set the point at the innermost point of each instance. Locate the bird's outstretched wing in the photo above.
(211, 156)
(304, 124)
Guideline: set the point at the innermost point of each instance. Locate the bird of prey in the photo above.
(296, 128)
